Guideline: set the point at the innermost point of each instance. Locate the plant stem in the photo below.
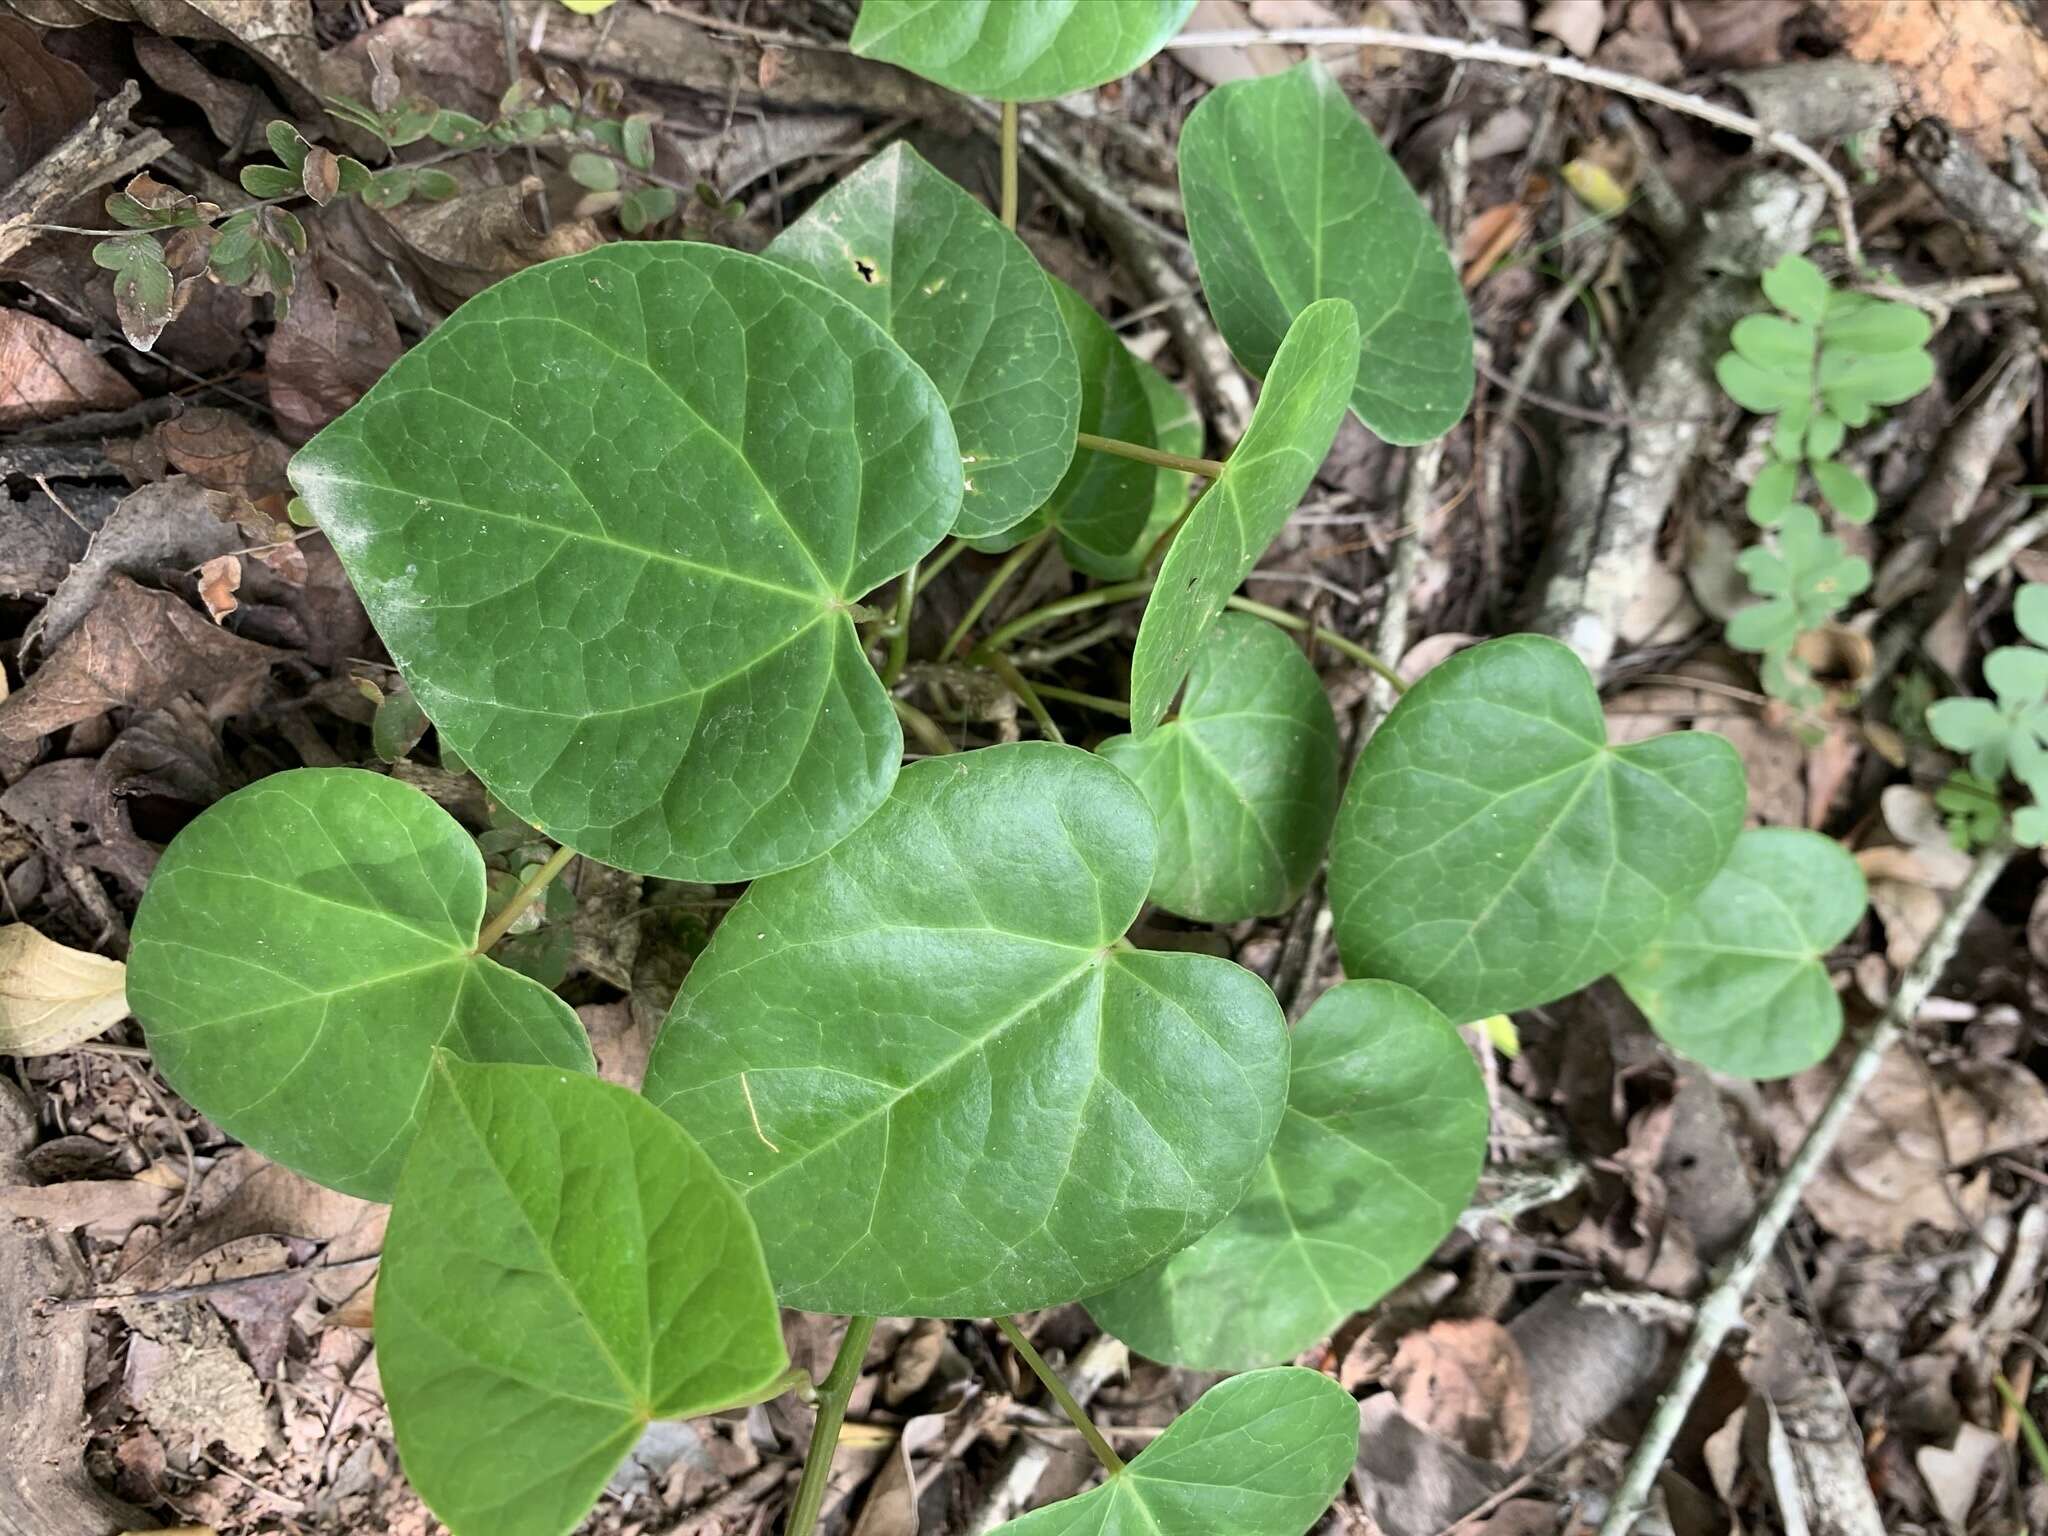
(1009, 165)
(924, 728)
(995, 584)
(1086, 700)
(796, 1379)
(1210, 469)
(833, 1392)
(899, 639)
(523, 898)
(954, 549)
(1080, 602)
(1015, 681)
(1336, 642)
(1104, 1453)
(1721, 1310)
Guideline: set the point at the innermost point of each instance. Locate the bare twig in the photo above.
(1565, 67)
(1721, 1309)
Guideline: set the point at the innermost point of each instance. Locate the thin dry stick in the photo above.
(109, 1301)
(1721, 1310)
(1565, 67)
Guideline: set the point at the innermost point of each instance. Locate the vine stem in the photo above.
(1080, 602)
(899, 638)
(1104, 1452)
(523, 898)
(1721, 1310)
(833, 1392)
(924, 728)
(1009, 141)
(1567, 68)
(995, 584)
(1209, 469)
(1093, 701)
(1334, 641)
(1018, 684)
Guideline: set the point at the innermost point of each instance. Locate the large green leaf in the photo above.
(973, 308)
(1291, 430)
(302, 950)
(1494, 852)
(1017, 50)
(1736, 982)
(1176, 428)
(1382, 1143)
(943, 1082)
(1261, 1454)
(563, 1266)
(609, 519)
(1243, 780)
(1101, 504)
(1290, 199)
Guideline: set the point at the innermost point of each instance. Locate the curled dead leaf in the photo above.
(52, 996)
(1465, 1379)
(219, 579)
(47, 373)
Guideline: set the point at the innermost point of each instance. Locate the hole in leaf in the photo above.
(866, 269)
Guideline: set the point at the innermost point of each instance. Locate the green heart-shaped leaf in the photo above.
(1176, 428)
(610, 518)
(973, 308)
(1243, 781)
(1261, 1454)
(1291, 198)
(1101, 503)
(1737, 983)
(1291, 430)
(942, 1083)
(1494, 852)
(1381, 1145)
(304, 947)
(563, 1266)
(1011, 52)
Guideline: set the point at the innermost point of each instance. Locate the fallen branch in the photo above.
(1567, 68)
(98, 150)
(1721, 1309)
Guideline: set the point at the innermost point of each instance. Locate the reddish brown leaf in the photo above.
(1465, 1379)
(46, 98)
(46, 372)
(224, 453)
(219, 579)
(334, 342)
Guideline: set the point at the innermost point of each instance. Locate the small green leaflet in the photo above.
(973, 308)
(610, 519)
(1243, 780)
(941, 1080)
(1291, 430)
(1382, 1143)
(302, 950)
(1494, 852)
(1291, 198)
(1101, 503)
(1011, 51)
(1261, 1454)
(1736, 983)
(1176, 428)
(563, 1266)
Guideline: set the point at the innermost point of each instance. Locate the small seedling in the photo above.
(2009, 736)
(640, 528)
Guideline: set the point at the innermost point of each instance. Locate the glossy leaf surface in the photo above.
(609, 518)
(302, 950)
(1009, 51)
(1261, 1454)
(1101, 503)
(1494, 852)
(1290, 432)
(563, 1266)
(1737, 983)
(1381, 1145)
(1243, 780)
(941, 1084)
(964, 297)
(1290, 198)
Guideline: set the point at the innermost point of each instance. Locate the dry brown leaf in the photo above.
(52, 996)
(224, 453)
(469, 242)
(1910, 914)
(1465, 1380)
(1952, 1475)
(47, 373)
(1489, 235)
(1747, 35)
(108, 1209)
(334, 342)
(1980, 64)
(46, 98)
(219, 580)
(1575, 23)
(1912, 1136)
(136, 647)
(235, 111)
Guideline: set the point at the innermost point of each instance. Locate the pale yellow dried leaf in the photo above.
(51, 996)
